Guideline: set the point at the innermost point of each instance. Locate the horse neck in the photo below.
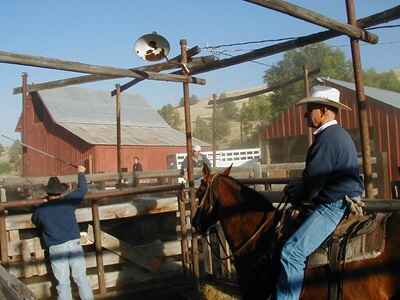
(240, 225)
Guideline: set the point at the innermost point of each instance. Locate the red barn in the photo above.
(79, 125)
(287, 134)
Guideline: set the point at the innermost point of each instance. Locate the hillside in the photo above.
(204, 111)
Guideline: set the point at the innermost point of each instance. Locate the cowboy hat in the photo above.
(55, 187)
(324, 95)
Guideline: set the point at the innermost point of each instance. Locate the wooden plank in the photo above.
(58, 64)
(29, 269)
(124, 277)
(317, 19)
(12, 288)
(148, 256)
(3, 230)
(107, 212)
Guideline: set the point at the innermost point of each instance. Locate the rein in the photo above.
(263, 223)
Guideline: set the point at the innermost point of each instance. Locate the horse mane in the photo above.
(251, 197)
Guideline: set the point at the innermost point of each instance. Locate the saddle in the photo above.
(360, 237)
(356, 238)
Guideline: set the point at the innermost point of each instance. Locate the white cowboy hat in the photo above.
(197, 148)
(324, 95)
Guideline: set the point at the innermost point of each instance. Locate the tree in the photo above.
(202, 130)
(15, 154)
(1, 149)
(230, 110)
(386, 80)
(332, 63)
(170, 115)
(254, 114)
(192, 100)
(5, 167)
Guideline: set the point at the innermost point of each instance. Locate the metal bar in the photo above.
(3, 229)
(57, 64)
(361, 104)
(379, 18)
(214, 130)
(189, 148)
(118, 115)
(307, 94)
(317, 19)
(271, 88)
(99, 250)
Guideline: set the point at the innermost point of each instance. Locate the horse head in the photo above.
(206, 214)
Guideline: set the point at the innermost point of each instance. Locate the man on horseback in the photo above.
(331, 174)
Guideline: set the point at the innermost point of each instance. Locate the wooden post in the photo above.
(24, 126)
(99, 250)
(90, 164)
(361, 104)
(118, 116)
(3, 230)
(307, 94)
(189, 149)
(182, 221)
(214, 130)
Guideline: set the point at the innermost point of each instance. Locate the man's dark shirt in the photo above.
(332, 170)
(137, 167)
(56, 218)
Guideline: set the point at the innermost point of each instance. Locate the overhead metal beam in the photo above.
(317, 19)
(57, 64)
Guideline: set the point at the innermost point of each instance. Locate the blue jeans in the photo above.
(63, 257)
(310, 235)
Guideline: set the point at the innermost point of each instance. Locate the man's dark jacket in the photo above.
(56, 218)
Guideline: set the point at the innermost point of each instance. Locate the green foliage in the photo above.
(252, 115)
(170, 115)
(230, 110)
(1, 149)
(192, 100)
(5, 167)
(202, 130)
(15, 154)
(386, 80)
(332, 63)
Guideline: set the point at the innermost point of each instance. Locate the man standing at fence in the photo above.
(198, 159)
(60, 233)
(331, 176)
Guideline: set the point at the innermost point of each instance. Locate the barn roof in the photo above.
(90, 115)
(385, 96)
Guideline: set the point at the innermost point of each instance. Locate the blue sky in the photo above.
(103, 32)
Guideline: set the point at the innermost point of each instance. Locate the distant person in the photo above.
(61, 235)
(137, 166)
(198, 159)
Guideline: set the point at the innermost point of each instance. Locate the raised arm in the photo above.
(77, 196)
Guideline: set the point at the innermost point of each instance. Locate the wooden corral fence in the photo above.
(111, 261)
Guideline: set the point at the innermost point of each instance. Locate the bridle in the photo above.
(260, 227)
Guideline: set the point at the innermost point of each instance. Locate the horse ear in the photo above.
(227, 171)
(206, 170)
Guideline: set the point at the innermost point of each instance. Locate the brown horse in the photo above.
(249, 222)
